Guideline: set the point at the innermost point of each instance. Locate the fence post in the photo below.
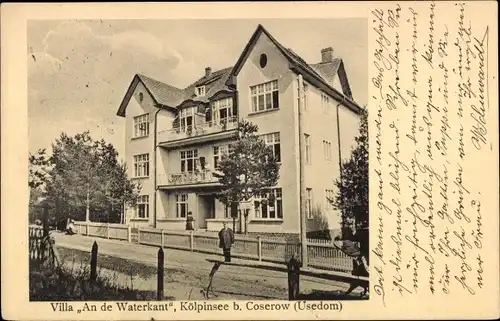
(162, 238)
(259, 247)
(293, 278)
(129, 233)
(107, 230)
(93, 262)
(161, 271)
(191, 240)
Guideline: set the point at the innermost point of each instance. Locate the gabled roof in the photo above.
(321, 75)
(165, 95)
(327, 70)
(217, 81)
(216, 75)
(300, 66)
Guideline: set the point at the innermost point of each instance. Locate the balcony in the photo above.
(198, 133)
(204, 177)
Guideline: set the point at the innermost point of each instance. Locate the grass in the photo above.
(64, 284)
(120, 265)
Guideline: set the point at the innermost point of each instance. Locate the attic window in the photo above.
(200, 91)
(263, 60)
(141, 97)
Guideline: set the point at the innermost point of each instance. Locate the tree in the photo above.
(87, 179)
(352, 189)
(39, 168)
(250, 168)
(318, 227)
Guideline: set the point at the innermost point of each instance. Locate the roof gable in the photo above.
(332, 70)
(300, 66)
(165, 95)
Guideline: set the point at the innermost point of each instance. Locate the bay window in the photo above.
(222, 110)
(186, 117)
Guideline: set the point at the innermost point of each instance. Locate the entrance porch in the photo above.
(207, 211)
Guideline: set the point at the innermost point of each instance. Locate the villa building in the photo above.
(175, 137)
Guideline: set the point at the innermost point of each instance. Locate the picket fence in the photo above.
(322, 254)
(41, 248)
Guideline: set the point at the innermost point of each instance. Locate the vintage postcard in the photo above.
(228, 161)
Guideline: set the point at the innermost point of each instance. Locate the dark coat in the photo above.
(226, 238)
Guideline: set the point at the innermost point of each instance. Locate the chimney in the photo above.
(208, 71)
(327, 55)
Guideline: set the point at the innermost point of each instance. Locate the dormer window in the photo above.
(200, 91)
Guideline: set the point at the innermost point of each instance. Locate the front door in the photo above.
(206, 209)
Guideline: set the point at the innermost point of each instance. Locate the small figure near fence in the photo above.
(293, 278)
(226, 240)
(70, 228)
(360, 264)
(189, 221)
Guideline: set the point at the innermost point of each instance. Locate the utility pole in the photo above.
(303, 222)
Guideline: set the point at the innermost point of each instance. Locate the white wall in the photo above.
(282, 120)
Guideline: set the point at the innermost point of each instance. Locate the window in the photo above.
(325, 103)
(263, 60)
(142, 207)
(141, 165)
(220, 151)
(269, 204)
(329, 199)
(309, 201)
(327, 150)
(189, 160)
(227, 211)
(273, 140)
(307, 139)
(222, 110)
(141, 97)
(200, 91)
(265, 96)
(141, 125)
(181, 205)
(186, 118)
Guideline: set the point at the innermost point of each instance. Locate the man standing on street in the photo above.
(226, 239)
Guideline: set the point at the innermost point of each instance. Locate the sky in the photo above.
(79, 70)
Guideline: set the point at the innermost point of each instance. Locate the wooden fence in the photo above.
(322, 254)
(41, 248)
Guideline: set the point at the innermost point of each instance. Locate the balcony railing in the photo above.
(184, 178)
(200, 129)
